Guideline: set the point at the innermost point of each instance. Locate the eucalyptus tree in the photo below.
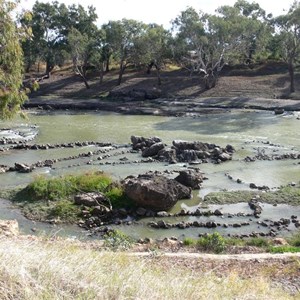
(122, 37)
(288, 35)
(206, 43)
(200, 44)
(155, 48)
(86, 49)
(51, 23)
(11, 62)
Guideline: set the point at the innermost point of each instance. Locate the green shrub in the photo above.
(189, 241)
(294, 240)
(283, 249)
(117, 240)
(65, 210)
(93, 181)
(234, 242)
(212, 242)
(117, 197)
(63, 187)
(257, 242)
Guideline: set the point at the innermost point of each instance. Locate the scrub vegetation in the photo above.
(46, 199)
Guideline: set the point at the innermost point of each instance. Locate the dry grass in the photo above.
(35, 269)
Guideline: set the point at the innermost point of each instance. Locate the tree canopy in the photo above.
(200, 42)
(11, 63)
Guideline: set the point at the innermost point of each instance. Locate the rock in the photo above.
(141, 211)
(189, 156)
(162, 224)
(224, 156)
(9, 228)
(253, 186)
(153, 149)
(168, 155)
(190, 178)
(90, 199)
(229, 149)
(279, 111)
(185, 145)
(155, 192)
(100, 210)
(211, 224)
(23, 168)
(162, 214)
(217, 212)
(254, 205)
(280, 241)
(3, 168)
(139, 142)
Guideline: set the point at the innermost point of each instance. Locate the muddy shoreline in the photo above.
(166, 107)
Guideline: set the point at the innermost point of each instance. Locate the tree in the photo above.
(288, 28)
(80, 46)
(122, 37)
(11, 63)
(206, 43)
(51, 24)
(154, 48)
(85, 49)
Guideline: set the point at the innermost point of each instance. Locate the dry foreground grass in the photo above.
(34, 268)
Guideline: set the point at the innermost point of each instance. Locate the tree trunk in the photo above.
(85, 82)
(49, 68)
(292, 77)
(107, 65)
(101, 73)
(158, 76)
(121, 72)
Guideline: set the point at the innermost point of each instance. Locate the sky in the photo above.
(159, 11)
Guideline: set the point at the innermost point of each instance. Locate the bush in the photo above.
(63, 187)
(65, 210)
(257, 242)
(212, 242)
(294, 240)
(117, 240)
(189, 242)
(93, 181)
(285, 248)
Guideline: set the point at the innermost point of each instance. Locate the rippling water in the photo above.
(249, 132)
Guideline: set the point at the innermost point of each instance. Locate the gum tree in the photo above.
(288, 29)
(205, 43)
(11, 63)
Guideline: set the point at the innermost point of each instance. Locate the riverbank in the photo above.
(263, 86)
(35, 268)
(166, 107)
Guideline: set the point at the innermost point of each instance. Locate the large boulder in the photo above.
(153, 149)
(155, 192)
(167, 154)
(140, 142)
(187, 145)
(190, 178)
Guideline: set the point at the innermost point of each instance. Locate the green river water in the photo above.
(249, 132)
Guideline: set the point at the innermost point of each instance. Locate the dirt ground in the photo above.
(262, 81)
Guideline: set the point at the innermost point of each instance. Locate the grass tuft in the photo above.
(39, 269)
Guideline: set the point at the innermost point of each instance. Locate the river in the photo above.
(250, 132)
